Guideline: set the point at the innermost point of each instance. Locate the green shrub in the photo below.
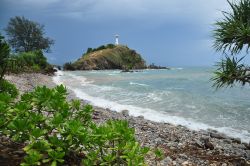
(8, 88)
(55, 130)
(110, 46)
(68, 66)
(102, 47)
(40, 59)
(35, 68)
(31, 62)
(49, 69)
(89, 50)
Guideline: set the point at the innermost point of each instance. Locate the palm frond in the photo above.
(230, 71)
(233, 32)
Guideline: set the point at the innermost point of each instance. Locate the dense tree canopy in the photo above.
(232, 35)
(25, 35)
(4, 55)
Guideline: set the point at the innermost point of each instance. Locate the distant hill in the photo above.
(108, 57)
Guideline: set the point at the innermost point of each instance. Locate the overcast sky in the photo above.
(165, 32)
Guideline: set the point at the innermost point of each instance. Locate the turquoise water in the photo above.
(178, 96)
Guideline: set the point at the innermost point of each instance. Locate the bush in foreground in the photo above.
(57, 132)
(8, 89)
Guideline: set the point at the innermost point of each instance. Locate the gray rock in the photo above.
(140, 117)
(239, 146)
(229, 141)
(204, 138)
(158, 140)
(199, 144)
(179, 161)
(219, 147)
(167, 161)
(125, 113)
(209, 152)
(206, 133)
(185, 163)
(208, 144)
(180, 145)
(237, 140)
(107, 109)
(218, 135)
(169, 144)
(248, 154)
(247, 145)
(212, 131)
(183, 156)
(163, 135)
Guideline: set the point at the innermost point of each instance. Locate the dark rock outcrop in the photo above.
(153, 66)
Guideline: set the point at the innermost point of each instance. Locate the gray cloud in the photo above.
(157, 9)
(31, 4)
(201, 10)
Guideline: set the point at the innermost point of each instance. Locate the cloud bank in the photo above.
(127, 9)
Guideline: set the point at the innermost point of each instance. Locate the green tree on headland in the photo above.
(25, 35)
(89, 50)
(232, 35)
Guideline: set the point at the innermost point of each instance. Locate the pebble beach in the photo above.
(182, 146)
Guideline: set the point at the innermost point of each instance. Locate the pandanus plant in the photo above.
(232, 35)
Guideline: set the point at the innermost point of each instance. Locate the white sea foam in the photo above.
(56, 79)
(135, 83)
(82, 80)
(177, 68)
(156, 116)
(172, 88)
(154, 97)
(149, 114)
(76, 79)
(93, 72)
(105, 88)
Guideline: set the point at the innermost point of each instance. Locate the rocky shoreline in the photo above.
(182, 147)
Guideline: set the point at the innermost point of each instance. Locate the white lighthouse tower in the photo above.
(116, 39)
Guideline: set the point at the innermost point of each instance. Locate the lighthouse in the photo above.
(116, 39)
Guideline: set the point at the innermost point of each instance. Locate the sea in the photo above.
(180, 96)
